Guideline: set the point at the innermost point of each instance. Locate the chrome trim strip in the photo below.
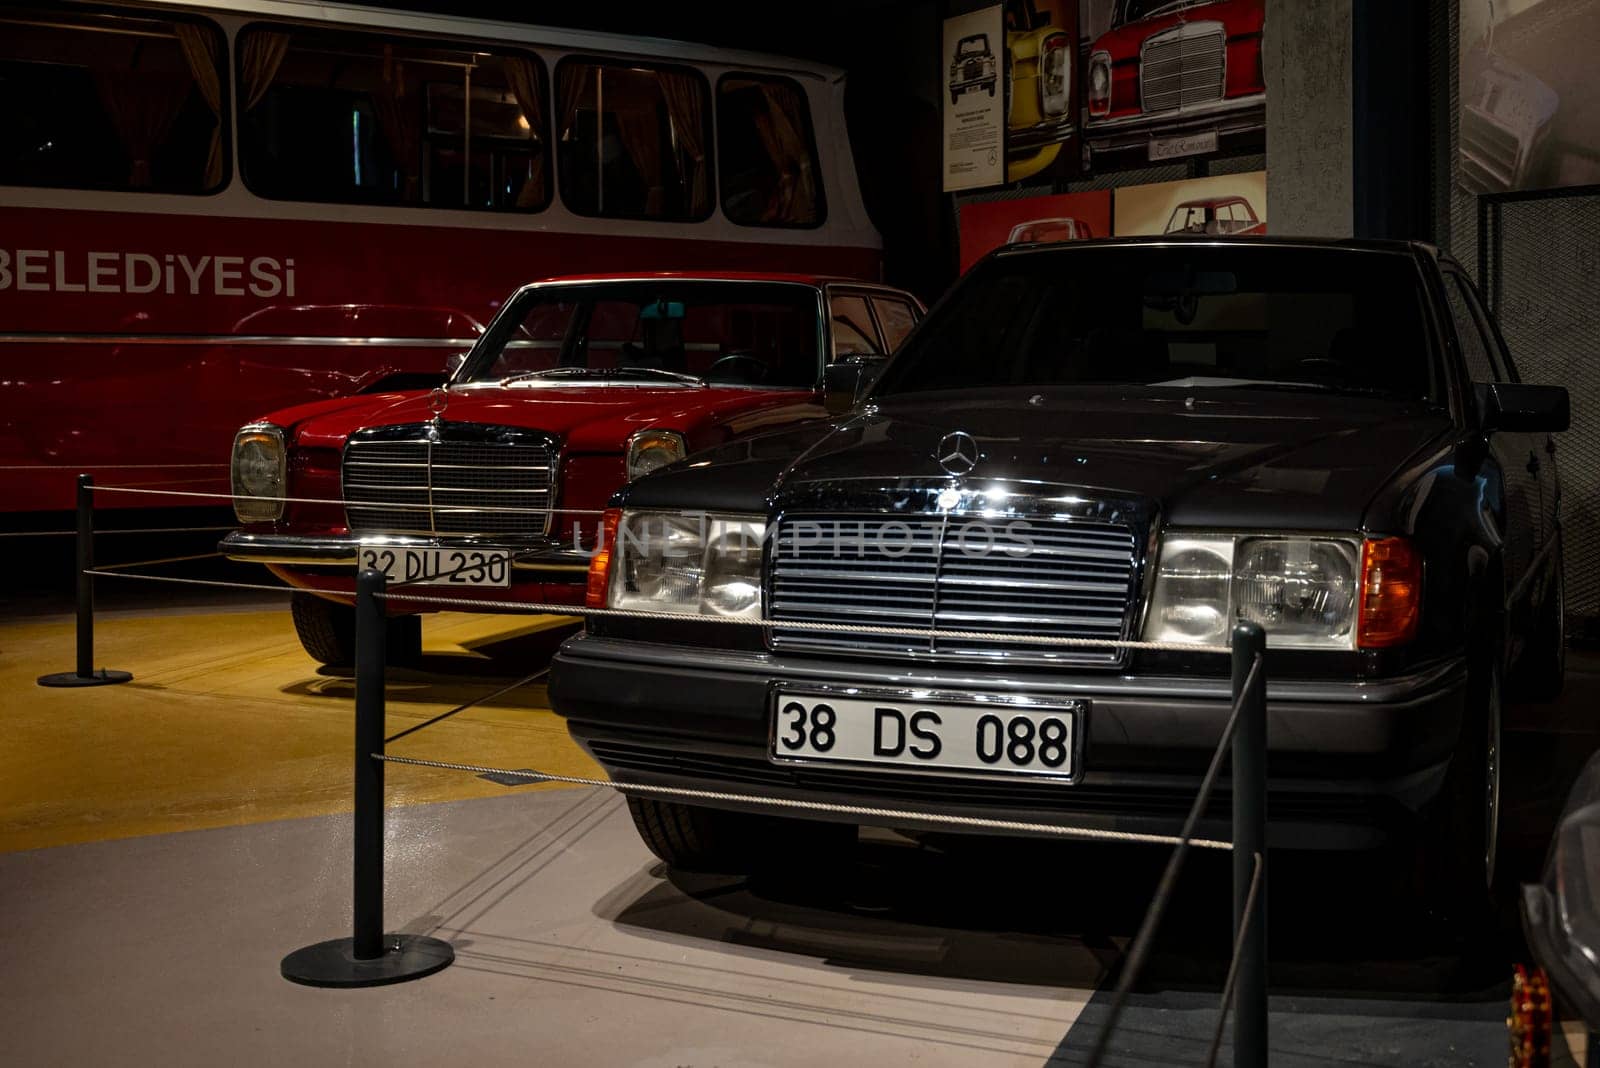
(328, 550)
(1199, 111)
(812, 670)
(252, 340)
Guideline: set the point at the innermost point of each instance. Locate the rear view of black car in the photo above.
(1132, 440)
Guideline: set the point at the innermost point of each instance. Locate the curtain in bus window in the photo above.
(769, 170)
(259, 61)
(401, 121)
(641, 140)
(522, 77)
(106, 101)
(686, 101)
(143, 106)
(339, 116)
(634, 141)
(199, 49)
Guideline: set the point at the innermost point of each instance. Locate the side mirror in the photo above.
(846, 379)
(1513, 406)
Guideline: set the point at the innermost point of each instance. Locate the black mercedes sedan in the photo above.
(1132, 440)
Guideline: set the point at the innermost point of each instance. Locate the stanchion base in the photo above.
(333, 963)
(103, 677)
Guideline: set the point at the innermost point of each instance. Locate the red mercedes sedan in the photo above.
(490, 487)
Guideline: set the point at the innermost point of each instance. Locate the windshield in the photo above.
(718, 333)
(973, 46)
(1189, 317)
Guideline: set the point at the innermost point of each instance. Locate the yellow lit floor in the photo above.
(227, 721)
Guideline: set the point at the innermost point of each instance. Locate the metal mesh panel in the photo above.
(1542, 276)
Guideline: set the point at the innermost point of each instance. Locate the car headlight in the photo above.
(649, 450)
(686, 562)
(1304, 591)
(259, 473)
(1100, 84)
(1055, 67)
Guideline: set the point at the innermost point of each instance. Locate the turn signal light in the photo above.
(1391, 593)
(594, 595)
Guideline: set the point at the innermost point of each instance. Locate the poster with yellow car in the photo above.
(1041, 86)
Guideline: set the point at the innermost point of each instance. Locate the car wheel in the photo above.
(697, 839)
(1543, 671)
(327, 632)
(954, 96)
(1460, 850)
(991, 90)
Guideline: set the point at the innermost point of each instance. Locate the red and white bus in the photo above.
(210, 210)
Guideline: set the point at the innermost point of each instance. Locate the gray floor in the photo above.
(576, 948)
(572, 949)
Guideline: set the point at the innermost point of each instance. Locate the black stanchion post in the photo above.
(1250, 842)
(85, 674)
(369, 957)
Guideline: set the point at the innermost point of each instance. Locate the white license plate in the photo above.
(1186, 145)
(899, 731)
(438, 567)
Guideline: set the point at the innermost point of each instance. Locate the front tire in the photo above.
(692, 838)
(327, 632)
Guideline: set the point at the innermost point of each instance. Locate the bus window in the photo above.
(635, 140)
(766, 153)
(338, 116)
(101, 101)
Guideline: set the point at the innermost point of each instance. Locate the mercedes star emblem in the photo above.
(958, 452)
(438, 401)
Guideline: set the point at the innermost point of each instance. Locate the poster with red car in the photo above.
(987, 225)
(1096, 85)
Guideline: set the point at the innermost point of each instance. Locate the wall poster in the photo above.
(974, 116)
(987, 225)
(1219, 204)
(1099, 85)
(1530, 101)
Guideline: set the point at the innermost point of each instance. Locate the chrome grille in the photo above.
(1183, 66)
(1076, 580)
(474, 480)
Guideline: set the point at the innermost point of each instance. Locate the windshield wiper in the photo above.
(655, 372)
(546, 372)
(603, 372)
(1208, 382)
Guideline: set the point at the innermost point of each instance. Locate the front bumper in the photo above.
(1042, 133)
(982, 81)
(1347, 761)
(542, 570)
(1235, 120)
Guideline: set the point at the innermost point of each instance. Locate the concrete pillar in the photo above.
(1307, 61)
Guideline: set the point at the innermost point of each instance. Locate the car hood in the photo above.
(587, 418)
(1239, 18)
(1213, 457)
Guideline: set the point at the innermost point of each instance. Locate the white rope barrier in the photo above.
(397, 505)
(582, 612)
